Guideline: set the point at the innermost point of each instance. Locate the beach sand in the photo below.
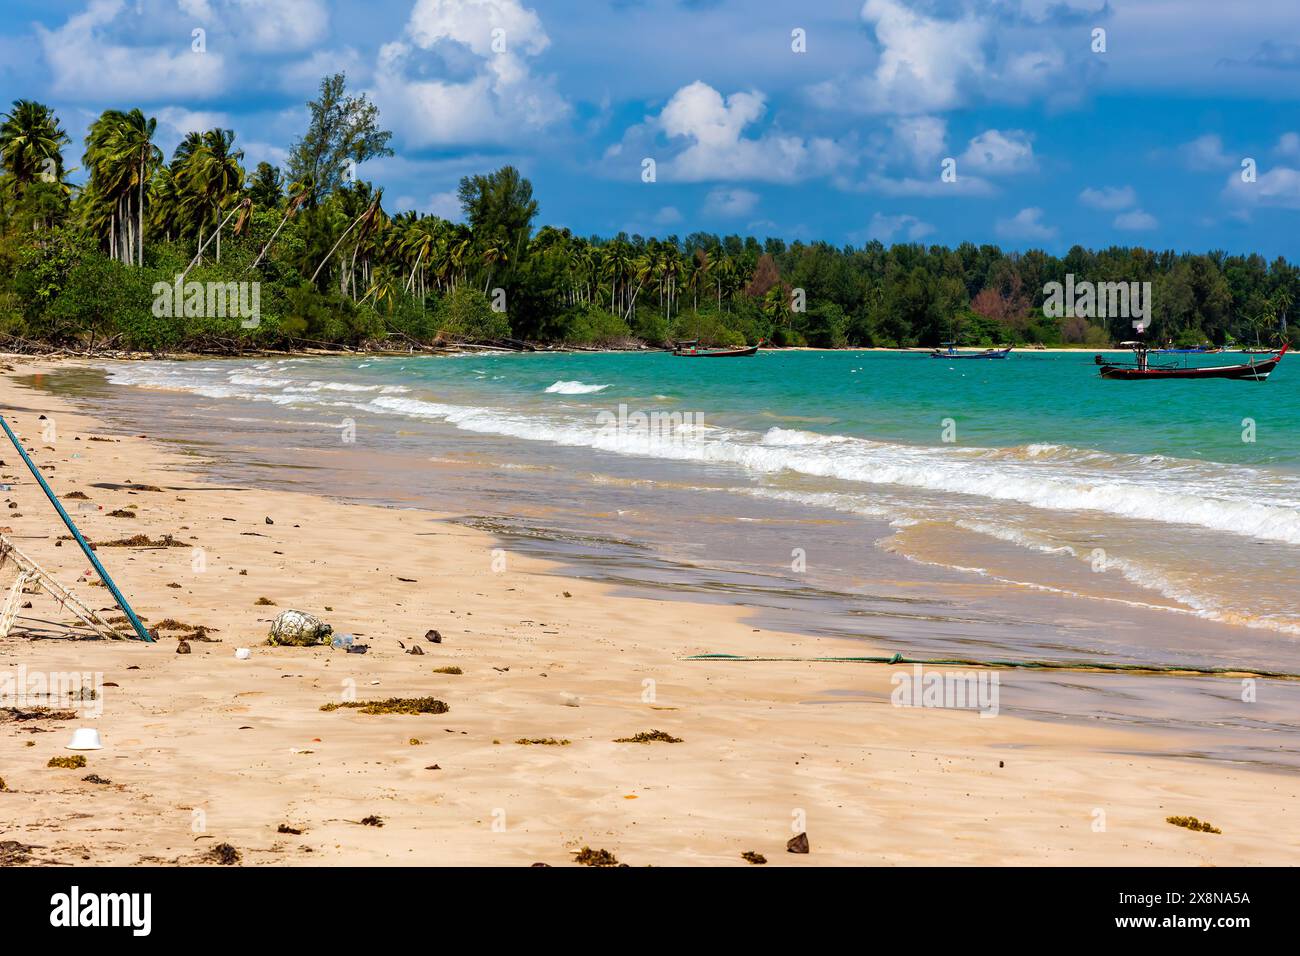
(203, 749)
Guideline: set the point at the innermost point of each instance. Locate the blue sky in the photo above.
(1054, 143)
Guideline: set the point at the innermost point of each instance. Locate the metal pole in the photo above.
(99, 568)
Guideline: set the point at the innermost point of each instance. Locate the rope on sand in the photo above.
(1189, 670)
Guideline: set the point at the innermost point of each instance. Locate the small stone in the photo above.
(417, 650)
(432, 636)
(797, 844)
(183, 646)
(269, 521)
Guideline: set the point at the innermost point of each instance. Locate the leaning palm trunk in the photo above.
(198, 256)
(333, 248)
(292, 208)
(414, 269)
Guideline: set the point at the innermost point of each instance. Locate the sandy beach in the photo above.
(203, 749)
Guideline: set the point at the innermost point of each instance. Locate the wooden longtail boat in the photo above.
(1251, 371)
(693, 352)
(952, 353)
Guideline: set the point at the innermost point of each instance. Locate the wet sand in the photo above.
(203, 748)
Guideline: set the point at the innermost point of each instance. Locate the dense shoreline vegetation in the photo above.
(81, 267)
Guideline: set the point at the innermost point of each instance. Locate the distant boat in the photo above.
(952, 353)
(692, 351)
(1143, 370)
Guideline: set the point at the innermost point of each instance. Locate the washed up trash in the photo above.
(341, 640)
(85, 738)
(242, 653)
(358, 648)
(298, 629)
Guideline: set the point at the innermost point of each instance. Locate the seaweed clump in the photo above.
(1191, 823)
(394, 705)
(38, 713)
(544, 741)
(139, 541)
(589, 857)
(453, 669)
(224, 854)
(68, 763)
(649, 737)
(751, 857)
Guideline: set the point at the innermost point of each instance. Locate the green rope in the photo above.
(1028, 665)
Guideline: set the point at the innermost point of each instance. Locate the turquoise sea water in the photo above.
(1029, 398)
(1032, 471)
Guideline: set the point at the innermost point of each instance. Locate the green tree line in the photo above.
(81, 266)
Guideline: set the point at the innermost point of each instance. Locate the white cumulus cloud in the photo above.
(716, 148)
(89, 59)
(885, 228)
(1110, 198)
(1026, 224)
(488, 92)
(730, 202)
(997, 153)
(1136, 220)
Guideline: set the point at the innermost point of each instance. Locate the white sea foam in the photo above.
(574, 388)
(1231, 499)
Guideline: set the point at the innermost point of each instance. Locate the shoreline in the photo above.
(55, 354)
(760, 741)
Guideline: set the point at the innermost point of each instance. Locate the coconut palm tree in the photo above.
(121, 158)
(209, 177)
(31, 144)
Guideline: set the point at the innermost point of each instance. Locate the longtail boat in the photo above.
(693, 352)
(952, 353)
(1143, 370)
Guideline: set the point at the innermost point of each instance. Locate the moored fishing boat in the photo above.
(952, 353)
(1144, 370)
(693, 352)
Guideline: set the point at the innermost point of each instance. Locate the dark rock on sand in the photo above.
(797, 844)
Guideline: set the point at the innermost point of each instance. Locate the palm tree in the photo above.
(266, 186)
(121, 158)
(495, 251)
(208, 175)
(31, 144)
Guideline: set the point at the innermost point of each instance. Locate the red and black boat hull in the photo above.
(728, 353)
(1251, 371)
